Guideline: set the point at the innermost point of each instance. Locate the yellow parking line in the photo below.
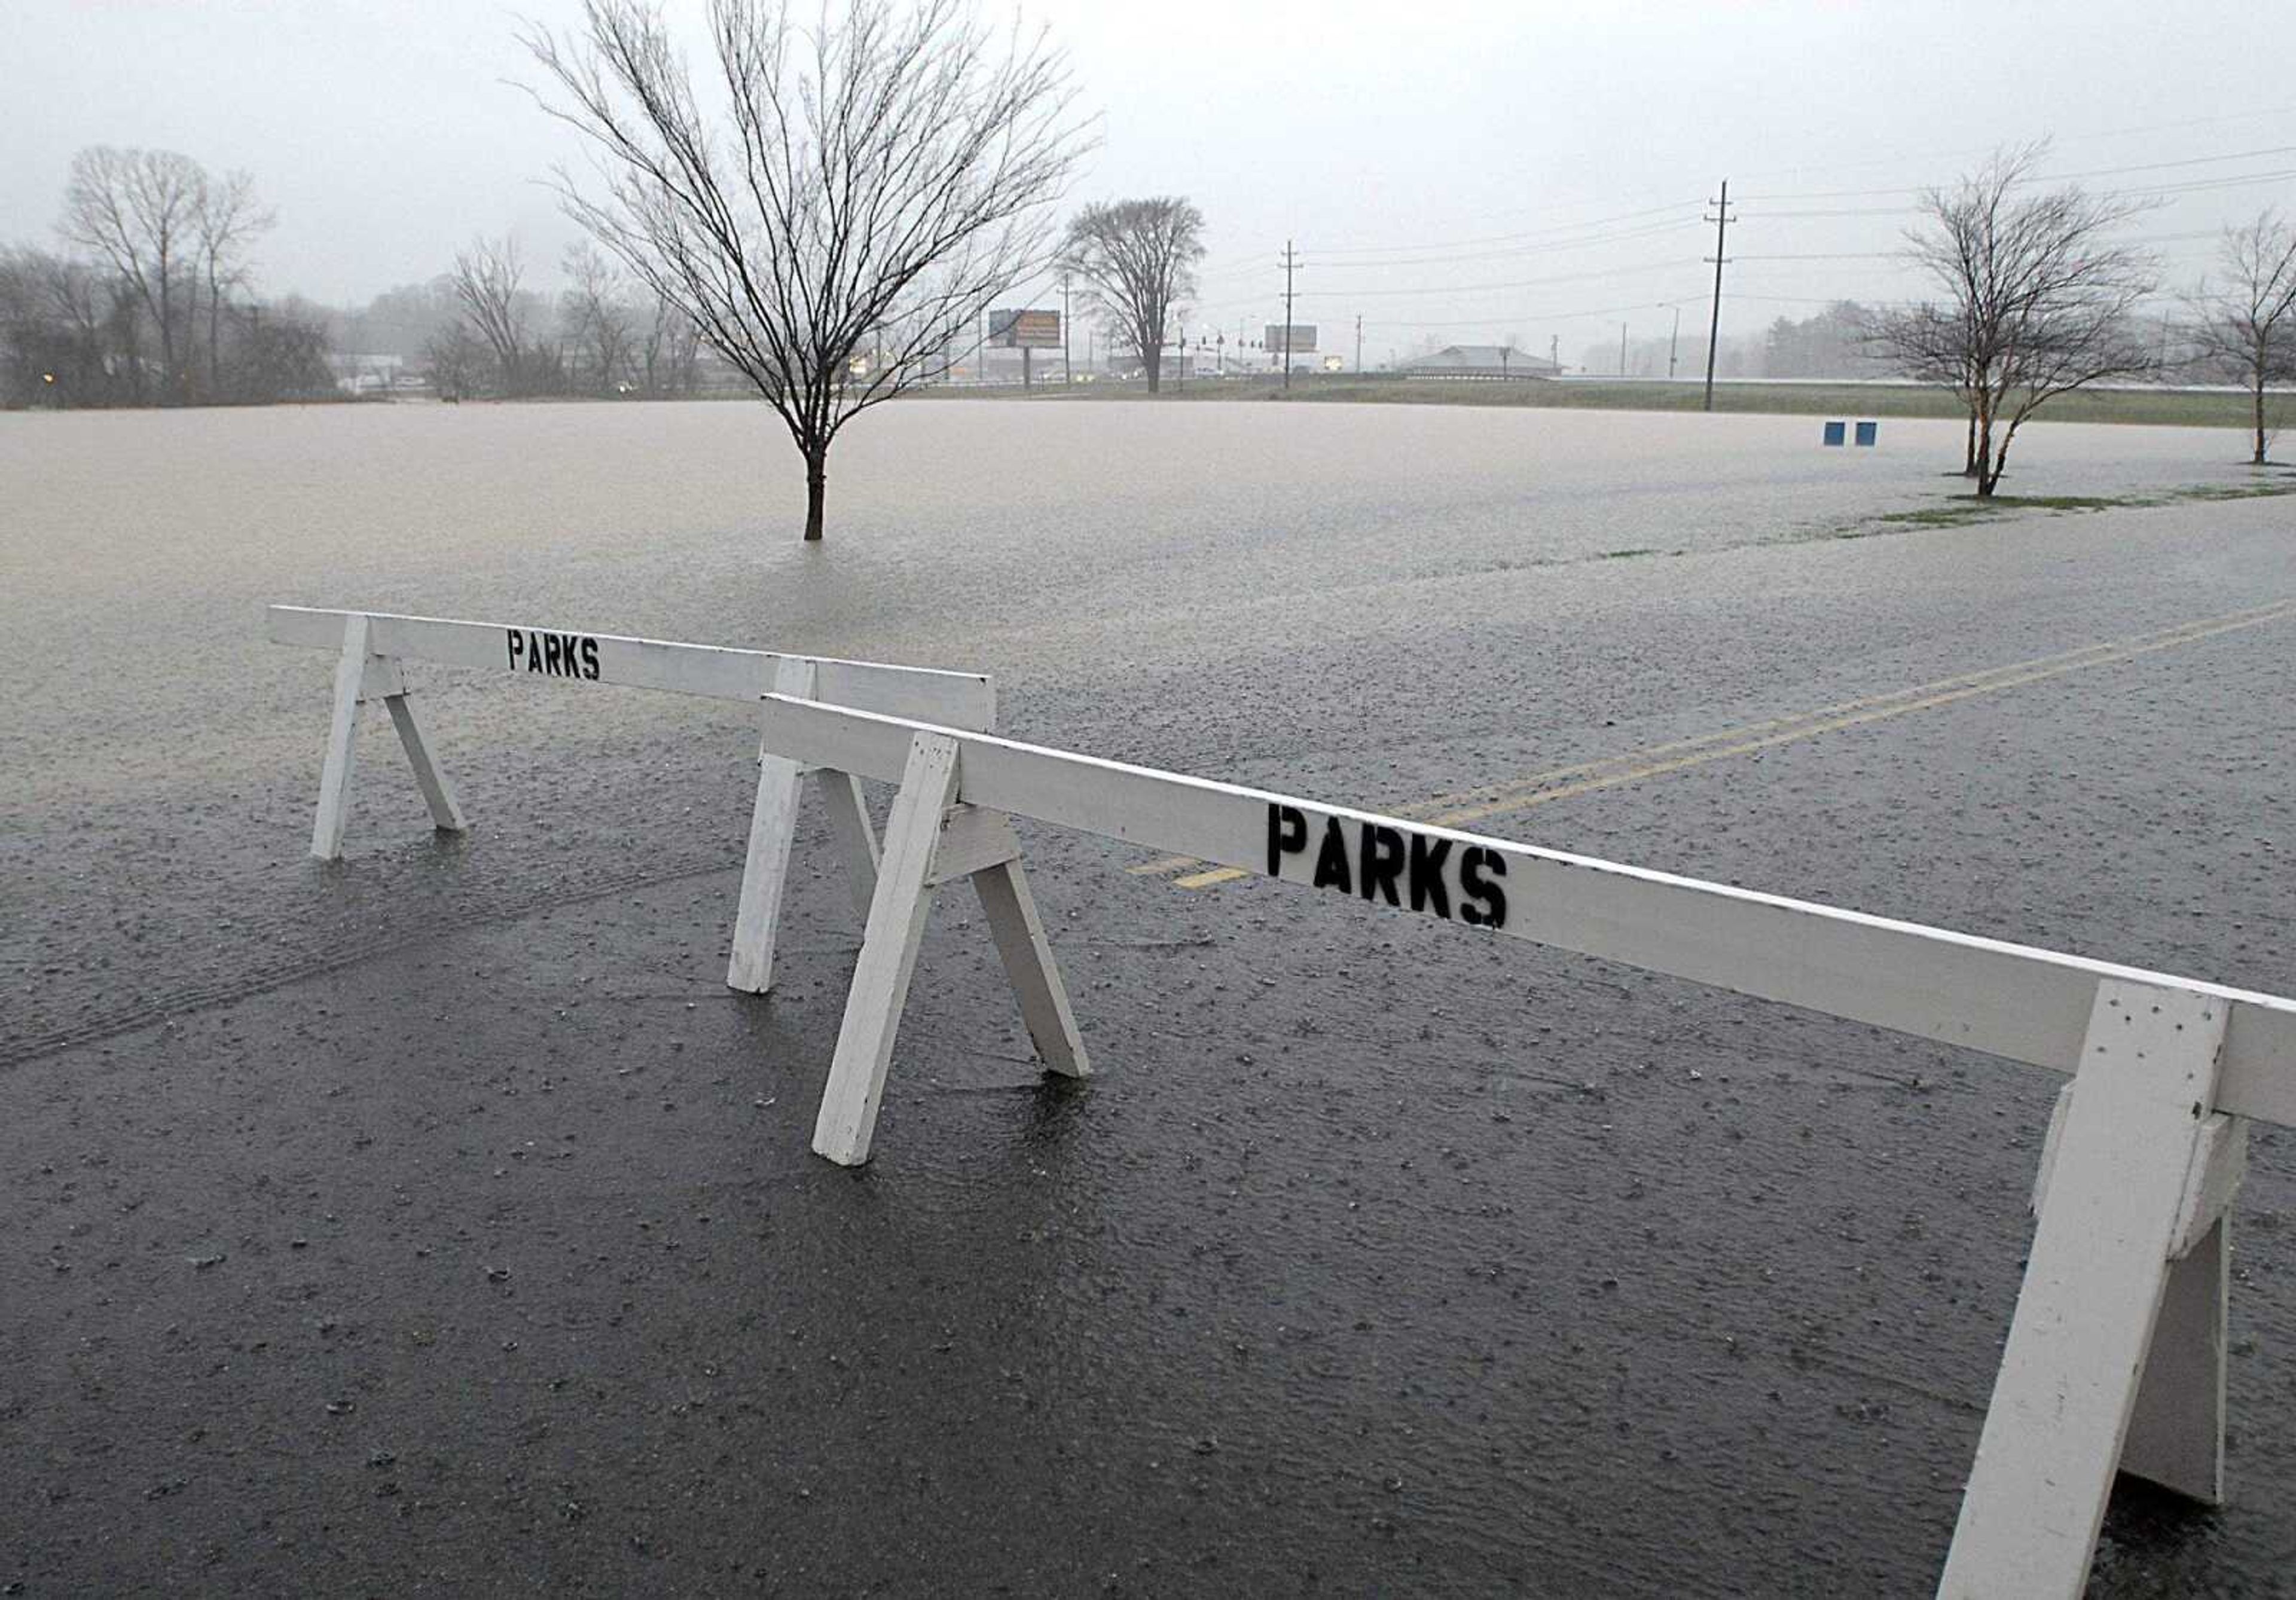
(1163, 864)
(1545, 788)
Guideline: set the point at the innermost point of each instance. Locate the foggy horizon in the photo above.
(1476, 177)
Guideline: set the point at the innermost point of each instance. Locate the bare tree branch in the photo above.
(1137, 260)
(853, 192)
(2246, 329)
(487, 279)
(138, 209)
(2038, 300)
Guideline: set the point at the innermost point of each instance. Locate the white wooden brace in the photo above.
(929, 843)
(2132, 1147)
(889, 953)
(2176, 1432)
(972, 841)
(765, 868)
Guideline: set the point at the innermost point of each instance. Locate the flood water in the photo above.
(1010, 536)
(441, 1206)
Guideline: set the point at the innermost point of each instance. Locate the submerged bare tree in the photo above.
(488, 281)
(2246, 329)
(2039, 299)
(139, 210)
(1138, 256)
(595, 316)
(225, 220)
(850, 193)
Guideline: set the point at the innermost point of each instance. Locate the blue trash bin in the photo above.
(1835, 433)
(1869, 433)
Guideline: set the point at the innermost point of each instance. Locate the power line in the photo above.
(1485, 322)
(1529, 249)
(1560, 277)
(2051, 178)
(2091, 137)
(1560, 227)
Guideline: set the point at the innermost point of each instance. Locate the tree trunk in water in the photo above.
(816, 484)
(2258, 460)
(1989, 459)
(1968, 463)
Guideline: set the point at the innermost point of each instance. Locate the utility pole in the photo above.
(1672, 340)
(1358, 344)
(1065, 320)
(1180, 377)
(1622, 349)
(1554, 353)
(1721, 221)
(1291, 261)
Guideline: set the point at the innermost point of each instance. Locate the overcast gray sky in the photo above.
(1419, 155)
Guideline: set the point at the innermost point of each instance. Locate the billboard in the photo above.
(1025, 330)
(1303, 338)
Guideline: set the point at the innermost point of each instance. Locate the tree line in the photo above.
(603, 333)
(149, 298)
(2041, 294)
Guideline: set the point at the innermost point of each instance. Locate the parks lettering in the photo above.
(1392, 865)
(560, 655)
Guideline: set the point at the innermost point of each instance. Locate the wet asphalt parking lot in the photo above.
(438, 1222)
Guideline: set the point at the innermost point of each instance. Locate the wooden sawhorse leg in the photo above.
(361, 676)
(930, 841)
(2115, 1357)
(772, 828)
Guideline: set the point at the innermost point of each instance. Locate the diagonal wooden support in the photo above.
(437, 789)
(1028, 957)
(856, 840)
(335, 773)
(889, 953)
(2135, 1143)
(2175, 1434)
(361, 676)
(765, 867)
(980, 845)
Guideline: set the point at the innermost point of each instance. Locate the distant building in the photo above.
(1479, 361)
(366, 375)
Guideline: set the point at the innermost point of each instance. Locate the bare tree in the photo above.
(2247, 329)
(862, 186)
(2039, 299)
(1138, 258)
(487, 280)
(226, 219)
(456, 361)
(596, 314)
(667, 348)
(139, 209)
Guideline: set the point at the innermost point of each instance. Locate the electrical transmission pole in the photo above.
(1721, 221)
(1358, 344)
(1291, 260)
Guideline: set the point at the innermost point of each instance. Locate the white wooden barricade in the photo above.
(370, 647)
(2116, 1355)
